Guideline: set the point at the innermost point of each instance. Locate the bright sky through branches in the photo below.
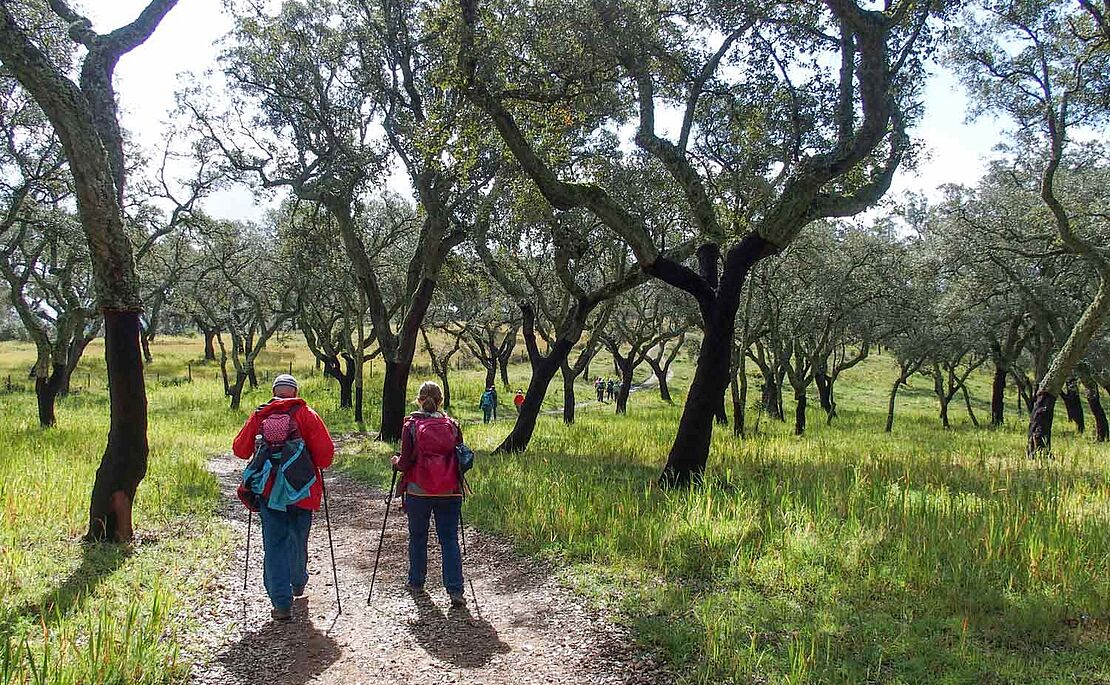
(185, 42)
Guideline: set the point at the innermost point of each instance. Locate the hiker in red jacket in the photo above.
(285, 533)
(432, 486)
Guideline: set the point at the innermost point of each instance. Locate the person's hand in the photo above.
(396, 459)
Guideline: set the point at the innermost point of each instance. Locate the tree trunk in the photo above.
(235, 390)
(1072, 405)
(491, 376)
(998, 394)
(47, 389)
(771, 396)
(944, 400)
(800, 402)
(1102, 431)
(123, 465)
(568, 394)
(625, 389)
(542, 373)
(690, 449)
(209, 345)
(252, 375)
(145, 340)
(661, 376)
(394, 389)
(890, 404)
(824, 392)
(1040, 424)
(503, 365)
(967, 402)
(346, 391)
(720, 415)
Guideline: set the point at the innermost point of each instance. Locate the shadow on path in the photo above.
(456, 637)
(281, 653)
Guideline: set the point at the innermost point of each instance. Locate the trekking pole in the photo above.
(247, 562)
(331, 546)
(462, 533)
(381, 539)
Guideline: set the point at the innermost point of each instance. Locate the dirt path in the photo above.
(524, 627)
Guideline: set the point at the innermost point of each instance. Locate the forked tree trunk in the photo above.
(625, 389)
(123, 465)
(690, 450)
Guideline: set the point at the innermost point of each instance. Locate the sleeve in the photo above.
(458, 432)
(316, 438)
(243, 444)
(408, 449)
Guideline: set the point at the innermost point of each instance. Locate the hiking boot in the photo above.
(279, 614)
(414, 589)
(298, 592)
(458, 601)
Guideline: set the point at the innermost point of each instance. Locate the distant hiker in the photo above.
(610, 388)
(599, 388)
(518, 400)
(431, 486)
(488, 404)
(283, 486)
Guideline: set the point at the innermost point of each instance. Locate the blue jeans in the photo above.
(487, 412)
(285, 552)
(447, 512)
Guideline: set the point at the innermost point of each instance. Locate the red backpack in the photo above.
(436, 467)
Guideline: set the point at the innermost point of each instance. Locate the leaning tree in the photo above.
(84, 116)
(1045, 66)
(789, 112)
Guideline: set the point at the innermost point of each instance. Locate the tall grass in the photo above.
(845, 556)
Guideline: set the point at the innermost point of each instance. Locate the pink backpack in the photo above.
(436, 467)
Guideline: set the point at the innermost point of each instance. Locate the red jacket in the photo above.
(313, 432)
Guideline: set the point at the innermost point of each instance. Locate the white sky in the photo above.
(147, 78)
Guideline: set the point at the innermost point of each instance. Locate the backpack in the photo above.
(436, 469)
(281, 458)
(487, 400)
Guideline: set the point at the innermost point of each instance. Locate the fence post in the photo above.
(189, 370)
(8, 383)
(290, 367)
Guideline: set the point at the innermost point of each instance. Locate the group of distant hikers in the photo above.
(287, 446)
(488, 403)
(606, 388)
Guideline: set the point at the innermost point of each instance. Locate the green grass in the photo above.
(845, 556)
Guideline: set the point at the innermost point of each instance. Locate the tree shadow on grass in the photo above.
(457, 637)
(282, 653)
(98, 561)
